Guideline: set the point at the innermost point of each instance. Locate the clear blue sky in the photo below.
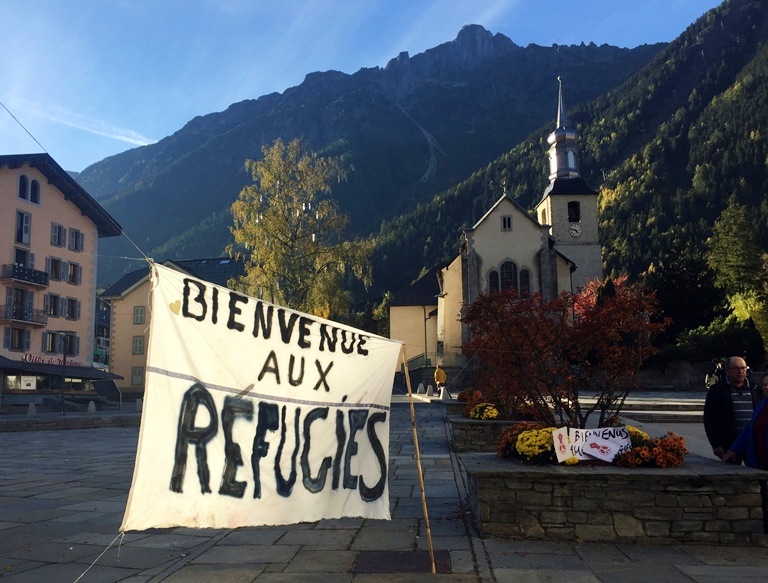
(92, 78)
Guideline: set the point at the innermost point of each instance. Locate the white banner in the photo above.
(255, 414)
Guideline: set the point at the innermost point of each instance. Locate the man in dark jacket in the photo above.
(728, 406)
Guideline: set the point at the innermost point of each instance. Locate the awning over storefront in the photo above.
(9, 366)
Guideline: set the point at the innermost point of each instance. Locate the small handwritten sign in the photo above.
(603, 443)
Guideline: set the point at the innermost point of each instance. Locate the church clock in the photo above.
(575, 230)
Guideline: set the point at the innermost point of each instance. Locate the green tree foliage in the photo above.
(291, 234)
(734, 253)
(723, 336)
(686, 291)
(735, 258)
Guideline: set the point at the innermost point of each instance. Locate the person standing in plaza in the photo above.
(440, 378)
(752, 446)
(728, 407)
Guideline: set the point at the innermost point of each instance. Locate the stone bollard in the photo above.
(444, 394)
(420, 389)
(138, 405)
(31, 410)
(430, 391)
(91, 408)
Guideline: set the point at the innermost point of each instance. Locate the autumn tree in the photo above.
(290, 233)
(550, 353)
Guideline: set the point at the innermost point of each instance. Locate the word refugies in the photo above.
(270, 418)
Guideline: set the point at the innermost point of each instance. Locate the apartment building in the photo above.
(49, 233)
(130, 315)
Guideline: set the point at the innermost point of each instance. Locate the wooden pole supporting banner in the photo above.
(418, 462)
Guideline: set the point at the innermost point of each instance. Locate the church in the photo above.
(553, 249)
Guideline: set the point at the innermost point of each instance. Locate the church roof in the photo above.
(503, 197)
(568, 186)
(422, 292)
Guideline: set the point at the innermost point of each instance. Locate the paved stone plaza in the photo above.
(62, 496)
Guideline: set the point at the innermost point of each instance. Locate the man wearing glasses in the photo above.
(728, 406)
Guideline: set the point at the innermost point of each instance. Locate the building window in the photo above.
(74, 273)
(70, 343)
(525, 283)
(52, 305)
(20, 304)
(58, 235)
(50, 342)
(138, 314)
(137, 345)
(23, 227)
(574, 212)
(24, 258)
(34, 193)
(506, 223)
(137, 376)
(71, 308)
(508, 276)
(76, 240)
(23, 187)
(493, 281)
(543, 216)
(16, 339)
(54, 268)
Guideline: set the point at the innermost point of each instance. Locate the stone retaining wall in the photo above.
(702, 502)
(473, 435)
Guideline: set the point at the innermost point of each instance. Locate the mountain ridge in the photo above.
(409, 130)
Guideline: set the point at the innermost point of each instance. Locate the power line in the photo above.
(22, 127)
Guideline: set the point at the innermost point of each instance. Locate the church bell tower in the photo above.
(569, 204)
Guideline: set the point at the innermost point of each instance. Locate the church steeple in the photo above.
(563, 147)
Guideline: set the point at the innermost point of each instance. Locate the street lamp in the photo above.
(64, 335)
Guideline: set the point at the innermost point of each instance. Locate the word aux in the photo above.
(283, 437)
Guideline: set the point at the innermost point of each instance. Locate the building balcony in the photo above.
(16, 272)
(20, 314)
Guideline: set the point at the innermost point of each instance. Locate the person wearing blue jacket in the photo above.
(752, 445)
(752, 442)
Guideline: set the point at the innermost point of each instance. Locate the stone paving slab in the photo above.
(62, 494)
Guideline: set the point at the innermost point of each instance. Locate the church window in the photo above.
(525, 283)
(508, 276)
(571, 160)
(493, 281)
(574, 212)
(544, 216)
(506, 223)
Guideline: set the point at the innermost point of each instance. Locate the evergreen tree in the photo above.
(291, 235)
(734, 253)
